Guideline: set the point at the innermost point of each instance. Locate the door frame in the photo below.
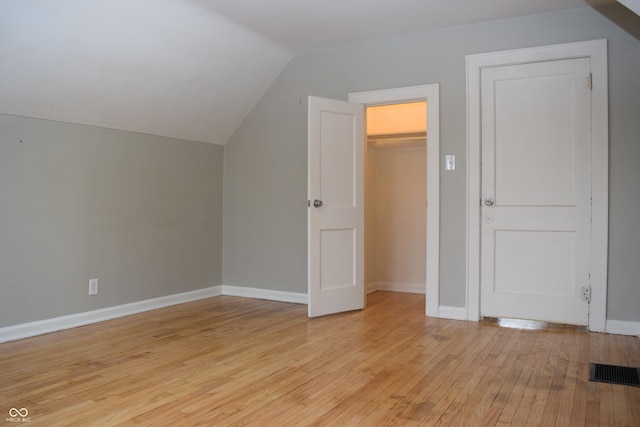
(431, 94)
(596, 50)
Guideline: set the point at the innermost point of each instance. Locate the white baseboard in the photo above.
(622, 327)
(25, 330)
(453, 313)
(39, 327)
(246, 292)
(401, 287)
(370, 288)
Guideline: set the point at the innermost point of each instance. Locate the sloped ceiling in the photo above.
(163, 67)
(193, 69)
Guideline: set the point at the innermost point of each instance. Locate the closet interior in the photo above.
(395, 197)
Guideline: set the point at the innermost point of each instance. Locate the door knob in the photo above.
(489, 201)
(317, 203)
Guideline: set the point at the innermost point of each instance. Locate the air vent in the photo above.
(612, 374)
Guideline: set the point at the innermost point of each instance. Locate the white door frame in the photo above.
(431, 94)
(597, 52)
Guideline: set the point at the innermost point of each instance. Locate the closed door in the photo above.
(536, 190)
(336, 206)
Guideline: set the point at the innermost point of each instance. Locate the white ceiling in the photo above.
(162, 67)
(311, 24)
(193, 69)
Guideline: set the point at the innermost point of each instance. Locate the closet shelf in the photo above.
(392, 140)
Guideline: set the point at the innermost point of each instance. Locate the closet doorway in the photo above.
(414, 251)
(395, 194)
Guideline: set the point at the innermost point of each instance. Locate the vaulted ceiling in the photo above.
(193, 69)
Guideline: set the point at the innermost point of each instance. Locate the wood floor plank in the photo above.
(236, 361)
(520, 375)
(474, 385)
(573, 408)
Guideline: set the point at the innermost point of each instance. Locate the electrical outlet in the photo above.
(93, 286)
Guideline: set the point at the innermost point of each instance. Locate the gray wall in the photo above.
(141, 213)
(264, 242)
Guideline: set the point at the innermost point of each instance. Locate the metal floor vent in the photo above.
(614, 374)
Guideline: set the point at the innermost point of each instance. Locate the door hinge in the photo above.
(590, 81)
(585, 294)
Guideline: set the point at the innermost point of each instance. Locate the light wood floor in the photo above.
(234, 361)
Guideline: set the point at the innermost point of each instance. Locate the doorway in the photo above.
(573, 232)
(395, 191)
(430, 95)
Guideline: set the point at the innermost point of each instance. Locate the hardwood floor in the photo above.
(235, 361)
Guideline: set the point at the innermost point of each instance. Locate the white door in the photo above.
(536, 190)
(336, 206)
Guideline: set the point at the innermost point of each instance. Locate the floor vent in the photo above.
(614, 374)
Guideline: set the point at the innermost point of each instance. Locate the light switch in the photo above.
(450, 162)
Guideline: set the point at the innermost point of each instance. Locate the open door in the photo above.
(335, 220)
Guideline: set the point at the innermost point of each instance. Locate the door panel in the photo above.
(519, 270)
(337, 249)
(533, 133)
(336, 227)
(536, 168)
(337, 154)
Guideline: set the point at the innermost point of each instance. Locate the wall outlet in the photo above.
(93, 286)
